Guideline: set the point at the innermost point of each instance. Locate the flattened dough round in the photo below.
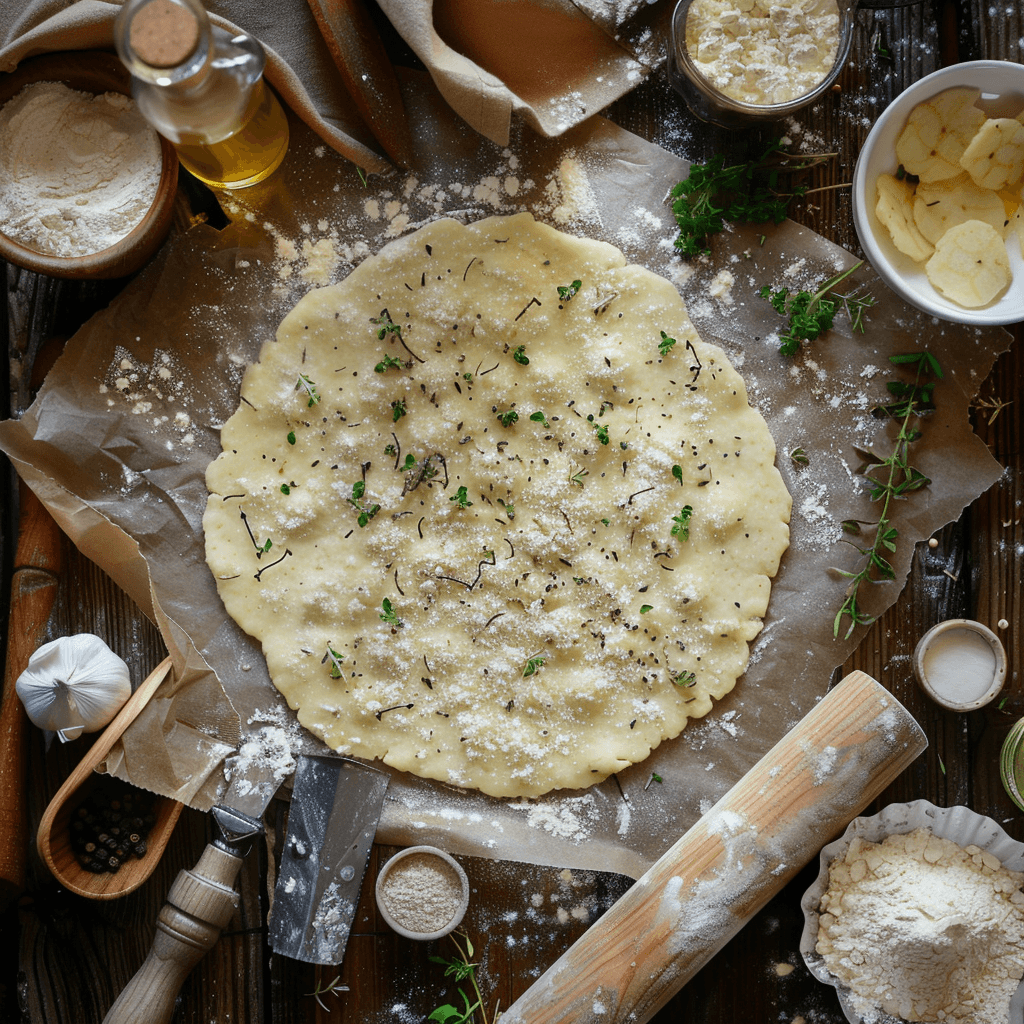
(514, 612)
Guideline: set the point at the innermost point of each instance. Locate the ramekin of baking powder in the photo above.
(422, 893)
(960, 664)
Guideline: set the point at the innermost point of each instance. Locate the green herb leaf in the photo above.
(291, 437)
(389, 615)
(533, 665)
(666, 344)
(520, 356)
(645, 608)
(306, 385)
(539, 417)
(335, 659)
(508, 417)
(386, 364)
(682, 521)
(397, 410)
(566, 292)
(386, 325)
(285, 489)
(685, 679)
(461, 497)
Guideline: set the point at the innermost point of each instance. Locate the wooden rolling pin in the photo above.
(33, 589)
(700, 893)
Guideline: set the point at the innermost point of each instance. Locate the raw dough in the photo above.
(516, 613)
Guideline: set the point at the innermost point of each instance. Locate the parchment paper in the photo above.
(119, 437)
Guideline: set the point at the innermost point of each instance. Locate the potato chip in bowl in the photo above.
(937, 194)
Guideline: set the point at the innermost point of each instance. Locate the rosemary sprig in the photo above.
(332, 987)
(890, 479)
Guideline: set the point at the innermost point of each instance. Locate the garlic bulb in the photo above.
(74, 684)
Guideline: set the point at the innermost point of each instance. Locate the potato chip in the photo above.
(1017, 224)
(940, 205)
(895, 209)
(994, 158)
(970, 264)
(937, 133)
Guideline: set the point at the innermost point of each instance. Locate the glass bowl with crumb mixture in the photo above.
(737, 67)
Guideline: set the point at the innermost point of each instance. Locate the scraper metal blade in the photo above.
(335, 807)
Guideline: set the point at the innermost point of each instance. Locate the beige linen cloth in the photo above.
(551, 62)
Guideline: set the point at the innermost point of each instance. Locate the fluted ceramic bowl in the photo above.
(959, 824)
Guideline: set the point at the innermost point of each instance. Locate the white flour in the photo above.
(920, 928)
(77, 171)
(761, 51)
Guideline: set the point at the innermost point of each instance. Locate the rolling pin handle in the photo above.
(200, 903)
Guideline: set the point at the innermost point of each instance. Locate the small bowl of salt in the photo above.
(960, 664)
(87, 187)
(422, 893)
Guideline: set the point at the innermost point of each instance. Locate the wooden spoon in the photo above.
(54, 837)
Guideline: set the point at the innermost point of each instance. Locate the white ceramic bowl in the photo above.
(959, 824)
(976, 685)
(998, 80)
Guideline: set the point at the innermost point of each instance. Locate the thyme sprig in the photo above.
(306, 385)
(812, 314)
(712, 194)
(460, 968)
(890, 479)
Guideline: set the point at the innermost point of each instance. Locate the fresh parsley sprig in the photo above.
(812, 314)
(890, 479)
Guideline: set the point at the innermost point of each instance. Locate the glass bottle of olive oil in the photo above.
(202, 88)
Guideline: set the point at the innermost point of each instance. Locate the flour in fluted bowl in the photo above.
(77, 172)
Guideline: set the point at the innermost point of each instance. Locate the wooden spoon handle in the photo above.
(702, 891)
(200, 903)
(33, 590)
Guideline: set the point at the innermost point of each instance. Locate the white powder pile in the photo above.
(921, 928)
(421, 892)
(763, 51)
(77, 171)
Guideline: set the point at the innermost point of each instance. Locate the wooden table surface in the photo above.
(75, 955)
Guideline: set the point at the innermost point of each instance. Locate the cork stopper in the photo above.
(163, 33)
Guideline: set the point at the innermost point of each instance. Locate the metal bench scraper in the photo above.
(335, 806)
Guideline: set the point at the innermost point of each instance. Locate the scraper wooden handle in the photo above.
(700, 893)
(201, 902)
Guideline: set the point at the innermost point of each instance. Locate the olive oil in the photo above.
(250, 154)
(202, 88)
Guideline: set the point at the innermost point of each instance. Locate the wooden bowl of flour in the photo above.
(121, 248)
